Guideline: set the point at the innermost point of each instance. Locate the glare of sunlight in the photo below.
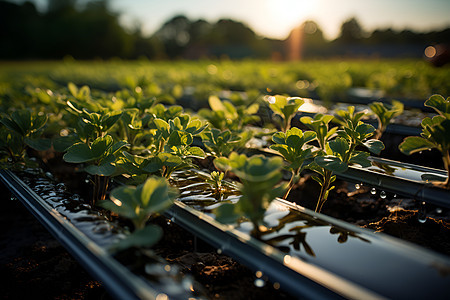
(287, 14)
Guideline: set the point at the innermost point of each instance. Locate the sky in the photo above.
(276, 18)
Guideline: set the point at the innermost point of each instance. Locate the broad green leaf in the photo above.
(104, 169)
(38, 144)
(23, 119)
(225, 214)
(374, 146)
(441, 105)
(60, 144)
(145, 237)
(11, 125)
(79, 153)
(101, 145)
(339, 145)
(413, 144)
(331, 163)
(216, 104)
(196, 152)
(360, 158)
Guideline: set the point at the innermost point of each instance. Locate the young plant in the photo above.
(101, 157)
(385, 113)
(21, 130)
(139, 204)
(339, 153)
(435, 134)
(215, 181)
(286, 108)
(224, 115)
(259, 178)
(220, 143)
(292, 146)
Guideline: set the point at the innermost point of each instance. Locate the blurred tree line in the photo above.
(93, 30)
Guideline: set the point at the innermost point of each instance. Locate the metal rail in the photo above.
(117, 279)
(378, 257)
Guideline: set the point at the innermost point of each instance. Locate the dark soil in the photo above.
(33, 265)
(406, 219)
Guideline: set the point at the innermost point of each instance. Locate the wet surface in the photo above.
(105, 233)
(372, 260)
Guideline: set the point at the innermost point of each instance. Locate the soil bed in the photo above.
(409, 220)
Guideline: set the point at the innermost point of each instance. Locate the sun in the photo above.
(291, 10)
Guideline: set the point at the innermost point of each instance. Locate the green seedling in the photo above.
(320, 125)
(215, 180)
(340, 152)
(260, 177)
(92, 125)
(435, 134)
(286, 108)
(173, 148)
(162, 164)
(139, 204)
(292, 146)
(220, 143)
(224, 115)
(385, 113)
(20, 130)
(101, 156)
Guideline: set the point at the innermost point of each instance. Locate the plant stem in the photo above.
(323, 190)
(290, 186)
(446, 159)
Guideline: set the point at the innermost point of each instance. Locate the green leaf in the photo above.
(101, 145)
(441, 105)
(11, 125)
(60, 144)
(145, 237)
(196, 152)
(23, 119)
(360, 158)
(225, 214)
(154, 195)
(78, 153)
(413, 144)
(38, 144)
(331, 163)
(339, 145)
(374, 146)
(104, 169)
(216, 104)
(122, 202)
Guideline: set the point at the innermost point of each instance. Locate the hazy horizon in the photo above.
(276, 18)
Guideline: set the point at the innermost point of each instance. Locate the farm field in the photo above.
(276, 151)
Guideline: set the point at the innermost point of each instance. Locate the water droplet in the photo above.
(259, 282)
(86, 180)
(357, 186)
(383, 195)
(219, 251)
(439, 210)
(61, 187)
(162, 297)
(373, 191)
(422, 218)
